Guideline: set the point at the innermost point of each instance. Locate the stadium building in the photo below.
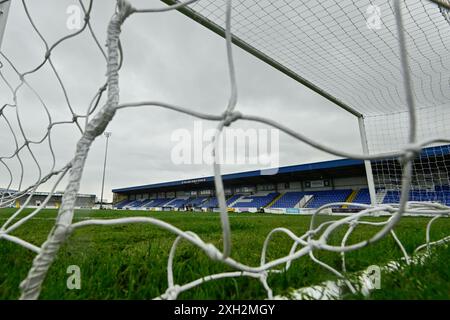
(38, 199)
(298, 188)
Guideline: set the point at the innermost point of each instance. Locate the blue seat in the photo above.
(255, 201)
(289, 199)
(321, 198)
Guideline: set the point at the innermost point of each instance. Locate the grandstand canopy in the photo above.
(346, 50)
(341, 168)
(317, 170)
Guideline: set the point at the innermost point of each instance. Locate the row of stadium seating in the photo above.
(440, 194)
(176, 203)
(211, 203)
(419, 195)
(202, 201)
(141, 203)
(319, 198)
(289, 199)
(214, 203)
(157, 202)
(255, 201)
(363, 196)
(196, 202)
(123, 203)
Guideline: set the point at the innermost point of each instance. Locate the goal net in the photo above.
(430, 176)
(382, 61)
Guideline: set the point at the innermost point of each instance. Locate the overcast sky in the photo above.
(167, 57)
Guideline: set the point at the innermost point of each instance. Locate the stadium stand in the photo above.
(302, 187)
(122, 204)
(255, 201)
(162, 202)
(439, 194)
(362, 196)
(150, 203)
(176, 203)
(157, 202)
(37, 199)
(137, 203)
(233, 199)
(321, 198)
(288, 200)
(211, 203)
(197, 202)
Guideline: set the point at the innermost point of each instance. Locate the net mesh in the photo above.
(430, 179)
(374, 72)
(333, 45)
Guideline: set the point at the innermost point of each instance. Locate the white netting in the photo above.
(330, 44)
(431, 179)
(371, 96)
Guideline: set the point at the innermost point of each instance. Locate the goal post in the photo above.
(367, 163)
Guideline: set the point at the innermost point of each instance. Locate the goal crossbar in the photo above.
(211, 19)
(216, 28)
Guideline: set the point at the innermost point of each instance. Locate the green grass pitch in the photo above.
(129, 261)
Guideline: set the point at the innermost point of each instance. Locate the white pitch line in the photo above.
(333, 290)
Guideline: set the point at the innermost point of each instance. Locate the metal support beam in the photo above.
(367, 163)
(107, 135)
(4, 9)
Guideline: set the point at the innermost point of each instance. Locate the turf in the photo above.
(427, 280)
(129, 261)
